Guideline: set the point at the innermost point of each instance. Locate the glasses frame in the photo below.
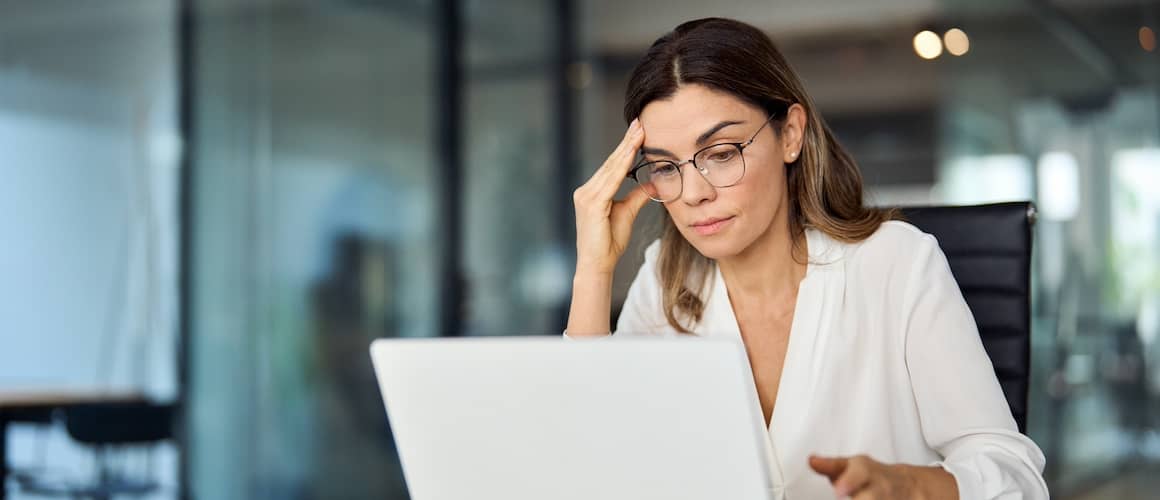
(704, 174)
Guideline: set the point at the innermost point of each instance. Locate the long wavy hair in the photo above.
(824, 184)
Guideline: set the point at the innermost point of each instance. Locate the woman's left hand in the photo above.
(863, 478)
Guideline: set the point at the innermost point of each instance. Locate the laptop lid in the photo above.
(531, 418)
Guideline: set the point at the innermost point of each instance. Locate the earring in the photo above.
(793, 155)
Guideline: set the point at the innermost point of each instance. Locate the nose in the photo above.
(696, 189)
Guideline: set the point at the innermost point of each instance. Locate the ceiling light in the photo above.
(956, 41)
(927, 45)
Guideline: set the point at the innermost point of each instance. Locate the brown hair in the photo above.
(824, 184)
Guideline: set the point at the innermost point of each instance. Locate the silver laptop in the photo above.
(535, 418)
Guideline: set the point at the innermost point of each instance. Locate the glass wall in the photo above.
(88, 197)
(515, 251)
(315, 219)
(89, 168)
(318, 224)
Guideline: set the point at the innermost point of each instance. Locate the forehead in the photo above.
(693, 109)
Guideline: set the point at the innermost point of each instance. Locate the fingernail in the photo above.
(635, 125)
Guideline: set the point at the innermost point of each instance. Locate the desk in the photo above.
(16, 405)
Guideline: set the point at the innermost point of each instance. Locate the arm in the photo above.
(603, 229)
(866, 478)
(591, 305)
(962, 411)
(591, 302)
(961, 405)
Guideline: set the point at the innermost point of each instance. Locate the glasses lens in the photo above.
(660, 179)
(723, 164)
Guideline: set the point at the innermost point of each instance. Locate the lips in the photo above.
(713, 225)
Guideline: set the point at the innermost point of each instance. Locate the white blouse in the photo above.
(884, 359)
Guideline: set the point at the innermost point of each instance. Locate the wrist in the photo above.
(592, 276)
(931, 483)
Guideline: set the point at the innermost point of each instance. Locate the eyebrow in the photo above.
(701, 140)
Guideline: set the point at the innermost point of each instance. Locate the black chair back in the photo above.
(989, 251)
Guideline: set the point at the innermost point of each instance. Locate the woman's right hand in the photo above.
(604, 225)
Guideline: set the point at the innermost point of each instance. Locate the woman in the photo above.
(867, 362)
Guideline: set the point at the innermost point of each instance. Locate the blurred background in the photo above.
(215, 205)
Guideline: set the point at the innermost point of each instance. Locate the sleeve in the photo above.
(641, 313)
(963, 413)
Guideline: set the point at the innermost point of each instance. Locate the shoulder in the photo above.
(642, 311)
(652, 254)
(891, 255)
(893, 241)
(649, 270)
(652, 251)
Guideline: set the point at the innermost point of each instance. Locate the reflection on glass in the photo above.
(313, 185)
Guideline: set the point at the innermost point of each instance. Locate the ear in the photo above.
(793, 132)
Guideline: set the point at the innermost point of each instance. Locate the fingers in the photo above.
(829, 467)
(854, 478)
(633, 137)
(848, 475)
(615, 169)
(604, 183)
(624, 212)
(636, 200)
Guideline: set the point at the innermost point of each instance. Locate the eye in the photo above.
(661, 169)
(723, 155)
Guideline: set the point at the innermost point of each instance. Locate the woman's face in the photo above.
(720, 222)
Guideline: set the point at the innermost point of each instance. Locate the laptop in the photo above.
(535, 418)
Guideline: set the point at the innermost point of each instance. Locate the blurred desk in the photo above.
(33, 404)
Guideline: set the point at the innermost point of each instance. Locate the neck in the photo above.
(769, 268)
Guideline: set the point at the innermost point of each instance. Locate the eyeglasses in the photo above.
(722, 165)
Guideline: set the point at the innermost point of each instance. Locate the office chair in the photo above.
(40, 419)
(989, 251)
(104, 427)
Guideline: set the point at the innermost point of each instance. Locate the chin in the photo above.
(713, 247)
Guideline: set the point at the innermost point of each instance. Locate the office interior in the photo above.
(218, 204)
